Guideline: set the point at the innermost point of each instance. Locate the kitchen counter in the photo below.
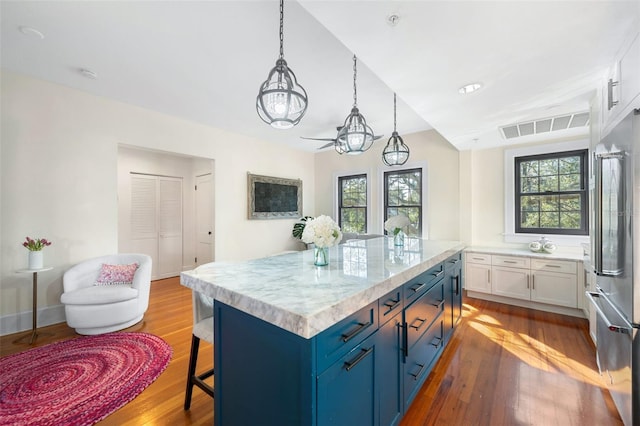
(506, 251)
(290, 292)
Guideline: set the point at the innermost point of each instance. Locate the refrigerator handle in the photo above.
(612, 327)
(597, 252)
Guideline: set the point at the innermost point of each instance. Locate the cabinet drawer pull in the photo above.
(422, 322)
(454, 261)
(488, 275)
(348, 365)
(438, 342)
(509, 261)
(391, 304)
(438, 305)
(356, 331)
(478, 258)
(553, 266)
(415, 376)
(416, 288)
(457, 278)
(533, 282)
(528, 280)
(437, 274)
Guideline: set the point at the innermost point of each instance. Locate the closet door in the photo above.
(144, 224)
(169, 227)
(204, 219)
(156, 222)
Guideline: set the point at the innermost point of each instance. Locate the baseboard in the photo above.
(527, 304)
(22, 321)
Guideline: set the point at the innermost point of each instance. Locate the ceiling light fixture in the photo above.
(392, 20)
(281, 101)
(356, 136)
(470, 88)
(396, 153)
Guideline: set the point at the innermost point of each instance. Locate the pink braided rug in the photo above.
(79, 381)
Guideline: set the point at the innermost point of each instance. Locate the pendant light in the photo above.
(396, 153)
(281, 101)
(356, 136)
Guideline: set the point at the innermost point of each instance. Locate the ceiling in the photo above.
(205, 60)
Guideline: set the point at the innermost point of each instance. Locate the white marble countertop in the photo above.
(507, 251)
(290, 292)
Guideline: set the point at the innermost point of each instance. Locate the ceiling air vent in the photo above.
(561, 122)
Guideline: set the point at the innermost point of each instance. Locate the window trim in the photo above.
(336, 193)
(510, 236)
(425, 193)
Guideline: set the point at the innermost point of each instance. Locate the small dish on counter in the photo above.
(543, 245)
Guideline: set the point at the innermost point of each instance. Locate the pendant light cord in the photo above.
(281, 26)
(355, 90)
(394, 113)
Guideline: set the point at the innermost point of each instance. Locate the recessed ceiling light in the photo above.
(469, 88)
(31, 32)
(88, 73)
(393, 20)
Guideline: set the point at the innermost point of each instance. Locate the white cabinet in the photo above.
(532, 279)
(478, 272)
(621, 89)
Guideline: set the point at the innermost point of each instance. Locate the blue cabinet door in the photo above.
(453, 293)
(389, 371)
(347, 389)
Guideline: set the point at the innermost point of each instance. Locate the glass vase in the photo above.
(398, 239)
(321, 256)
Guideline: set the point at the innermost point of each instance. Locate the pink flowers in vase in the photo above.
(37, 244)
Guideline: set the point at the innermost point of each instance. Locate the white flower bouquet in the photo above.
(322, 231)
(395, 224)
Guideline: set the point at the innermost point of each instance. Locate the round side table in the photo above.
(33, 334)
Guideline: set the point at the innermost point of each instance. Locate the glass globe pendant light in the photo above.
(356, 136)
(396, 153)
(281, 101)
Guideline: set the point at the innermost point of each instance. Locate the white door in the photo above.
(144, 223)
(156, 222)
(204, 219)
(169, 227)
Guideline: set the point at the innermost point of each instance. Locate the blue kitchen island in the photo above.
(345, 344)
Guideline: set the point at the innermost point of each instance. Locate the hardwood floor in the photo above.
(504, 366)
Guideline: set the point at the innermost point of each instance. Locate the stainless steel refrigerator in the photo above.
(616, 260)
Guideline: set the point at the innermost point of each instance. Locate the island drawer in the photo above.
(340, 338)
(417, 286)
(453, 261)
(389, 305)
(510, 261)
(421, 358)
(422, 312)
(479, 258)
(564, 266)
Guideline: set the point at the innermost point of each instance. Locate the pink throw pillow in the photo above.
(116, 274)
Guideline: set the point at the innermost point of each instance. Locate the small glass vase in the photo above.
(398, 239)
(36, 260)
(321, 256)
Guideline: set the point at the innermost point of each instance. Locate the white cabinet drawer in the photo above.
(510, 261)
(564, 266)
(479, 258)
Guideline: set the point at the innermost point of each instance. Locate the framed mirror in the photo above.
(273, 197)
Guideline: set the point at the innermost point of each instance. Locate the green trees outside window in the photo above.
(403, 195)
(551, 193)
(353, 203)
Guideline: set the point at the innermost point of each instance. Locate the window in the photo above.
(403, 195)
(551, 193)
(352, 203)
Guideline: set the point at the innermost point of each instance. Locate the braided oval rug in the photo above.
(79, 381)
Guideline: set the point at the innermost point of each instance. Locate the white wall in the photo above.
(59, 181)
(442, 160)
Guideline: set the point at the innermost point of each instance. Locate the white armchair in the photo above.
(97, 309)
